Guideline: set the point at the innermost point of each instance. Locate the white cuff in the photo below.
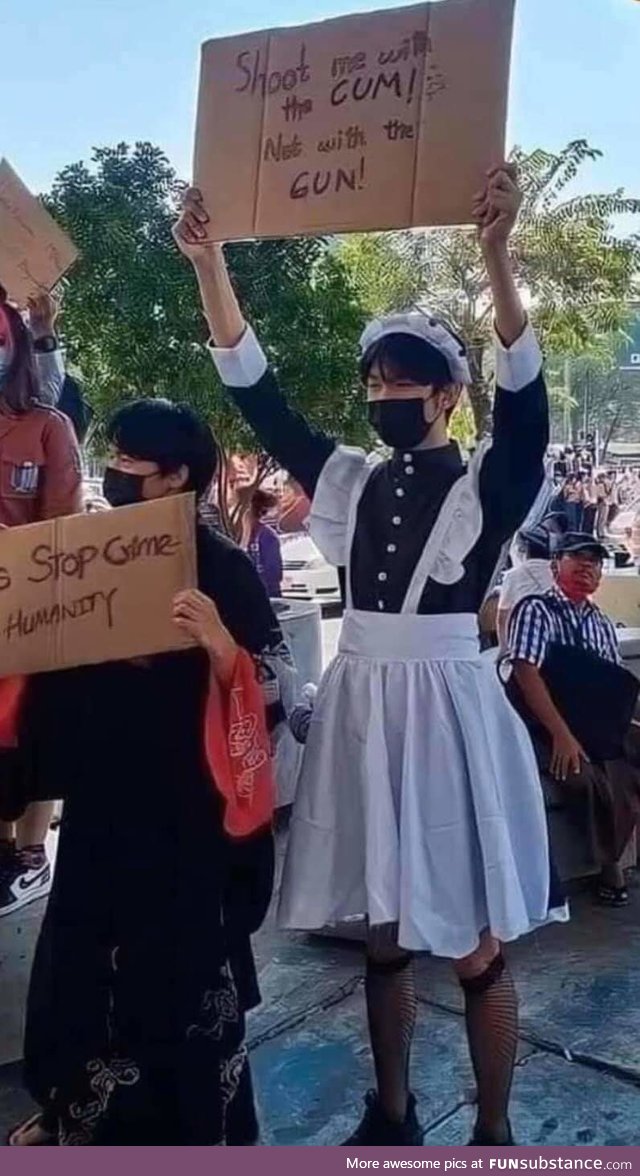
(241, 366)
(518, 365)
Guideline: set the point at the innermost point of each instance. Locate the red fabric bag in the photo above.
(11, 695)
(237, 744)
(238, 750)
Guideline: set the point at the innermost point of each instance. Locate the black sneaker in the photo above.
(8, 860)
(481, 1139)
(20, 884)
(376, 1130)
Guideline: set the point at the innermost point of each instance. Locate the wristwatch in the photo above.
(47, 344)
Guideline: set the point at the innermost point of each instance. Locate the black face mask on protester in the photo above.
(122, 489)
(400, 424)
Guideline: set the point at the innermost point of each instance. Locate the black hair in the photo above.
(21, 386)
(262, 501)
(556, 522)
(74, 406)
(406, 357)
(171, 435)
(535, 548)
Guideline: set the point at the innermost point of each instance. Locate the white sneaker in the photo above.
(20, 886)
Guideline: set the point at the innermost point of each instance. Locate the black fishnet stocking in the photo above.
(391, 1008)
(491, 1010)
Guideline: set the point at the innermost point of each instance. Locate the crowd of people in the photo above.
(592, 497)
(420, 804)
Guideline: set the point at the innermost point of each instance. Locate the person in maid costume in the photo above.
(419, 804)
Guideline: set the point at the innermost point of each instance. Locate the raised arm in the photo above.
(514, 468)
(241, 362)
(43, 313)
(495, 212)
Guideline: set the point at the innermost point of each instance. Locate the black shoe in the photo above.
(242, 1128)
(376, 1130)
(481, 1139)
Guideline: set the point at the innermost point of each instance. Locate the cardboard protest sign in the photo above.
(34, 251)
(95, 587)
(379, 121)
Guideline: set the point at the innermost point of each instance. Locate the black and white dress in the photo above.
(419, 801)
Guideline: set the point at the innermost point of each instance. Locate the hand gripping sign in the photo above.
(375, 121)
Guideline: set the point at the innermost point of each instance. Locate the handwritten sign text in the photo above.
(366, 122)
(34, 251)
(95, 587)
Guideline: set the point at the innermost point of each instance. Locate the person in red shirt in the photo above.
(40, 478)
(294, 509)
(40, 468)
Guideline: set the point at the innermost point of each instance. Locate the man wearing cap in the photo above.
(603, 785)
(419, 805)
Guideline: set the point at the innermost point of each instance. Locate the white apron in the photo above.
(419, 801)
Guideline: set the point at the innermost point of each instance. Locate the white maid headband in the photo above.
(423, 326)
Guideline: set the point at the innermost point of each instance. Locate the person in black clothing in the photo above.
(75, 406)
(144, 970)
(419, 804)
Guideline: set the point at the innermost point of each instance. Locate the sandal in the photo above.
(34, 1124)
(612, 896)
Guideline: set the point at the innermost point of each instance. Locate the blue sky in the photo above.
(81, 73)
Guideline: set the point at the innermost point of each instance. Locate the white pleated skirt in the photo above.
(419, 801)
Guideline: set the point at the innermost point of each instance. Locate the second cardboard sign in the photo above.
(34, 251)
(95, 587)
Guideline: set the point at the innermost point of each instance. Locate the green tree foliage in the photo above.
(601, 398)
(578, 275)
(133, 326)
(382, 271)
(132, 320)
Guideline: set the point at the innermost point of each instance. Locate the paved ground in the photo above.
(578, 1076)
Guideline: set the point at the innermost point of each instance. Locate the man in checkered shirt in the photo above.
(608, 795)
(565, 615)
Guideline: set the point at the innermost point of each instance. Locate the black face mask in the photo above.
(121, 489)
(400, 424)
